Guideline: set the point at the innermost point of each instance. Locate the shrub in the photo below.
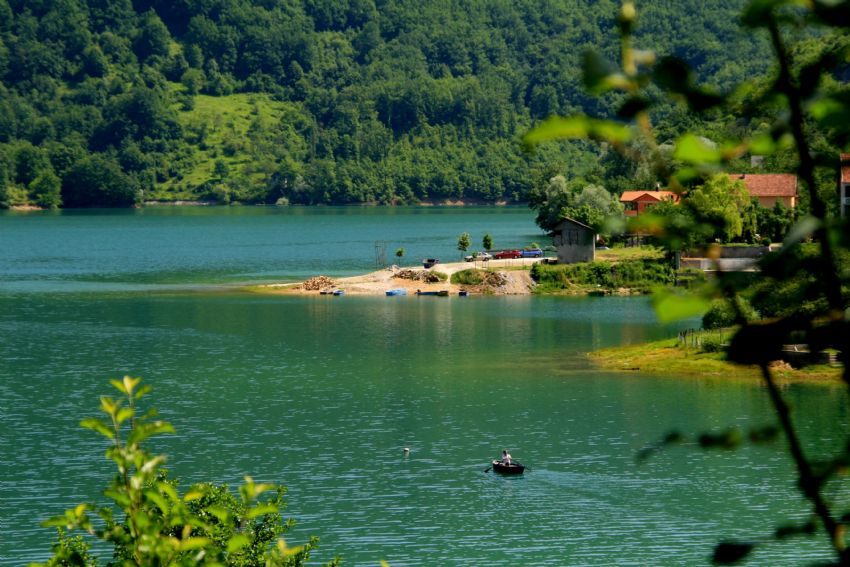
(148, 522)
(468, 277)
(722, 314)
(640, 275)
(710, 343)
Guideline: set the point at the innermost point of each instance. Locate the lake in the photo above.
(322, 394)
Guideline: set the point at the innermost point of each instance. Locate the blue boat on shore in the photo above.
(397, 291)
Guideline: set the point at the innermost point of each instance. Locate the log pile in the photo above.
(317, 283)
(408, 274)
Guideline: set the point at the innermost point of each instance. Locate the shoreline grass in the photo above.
(669, 358)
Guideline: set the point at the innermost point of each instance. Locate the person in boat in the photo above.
(506, 458)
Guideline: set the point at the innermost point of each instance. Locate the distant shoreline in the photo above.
(193, 203)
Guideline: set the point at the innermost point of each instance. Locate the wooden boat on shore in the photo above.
(397, 291)
(440, 293)
(513, 468)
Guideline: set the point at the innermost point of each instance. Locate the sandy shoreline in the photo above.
(516, 277)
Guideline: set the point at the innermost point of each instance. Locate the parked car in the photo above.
(429, 262)
(532, 253)
(476, 256)
(504, 254)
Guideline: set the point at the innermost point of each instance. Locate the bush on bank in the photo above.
(636, 275)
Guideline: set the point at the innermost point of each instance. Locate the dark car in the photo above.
(505, 254)
(429, 262)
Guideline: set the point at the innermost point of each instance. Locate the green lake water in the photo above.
(322, 394)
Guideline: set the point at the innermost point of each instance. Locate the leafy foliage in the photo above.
(809, 273)
(156, 525)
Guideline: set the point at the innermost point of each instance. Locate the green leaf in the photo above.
(193, 494)
(759, 12)
(57, 522)
(219, 512)
(145, 430)
(577, 127)
(124, 414)
(765, 434)
(143, 390)
(237, 542)
(690, 149)
(791, 530)
(832, 13)
(729, 439)
(805, 228)
(727, 552)
(673, 74)
(118, 496)
(673, 306)
(701, 99)
(262, 510)
(633, 106)
(158, 500)
(98, 425)
(758, 344)
(194, 543)
(600, 75)
(108, 405)
(167, 490)
(130, 384)
(763, 144)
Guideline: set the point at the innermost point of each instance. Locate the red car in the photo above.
(504, 254)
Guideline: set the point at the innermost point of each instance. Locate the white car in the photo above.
(482, 256)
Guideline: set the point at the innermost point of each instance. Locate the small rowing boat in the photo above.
(513, 468)
(397, 291)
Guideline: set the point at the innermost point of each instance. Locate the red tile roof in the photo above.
(845, 168)
(628, 196)
(768, 184)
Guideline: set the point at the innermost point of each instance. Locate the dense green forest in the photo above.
(114, 102)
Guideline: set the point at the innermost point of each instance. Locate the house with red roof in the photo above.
(637, 202)
(769, 188)
(844, 185)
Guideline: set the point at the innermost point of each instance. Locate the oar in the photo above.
(488, 468)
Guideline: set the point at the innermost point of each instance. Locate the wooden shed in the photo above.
(576, 242)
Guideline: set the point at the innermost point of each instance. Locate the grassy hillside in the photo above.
(323, 101)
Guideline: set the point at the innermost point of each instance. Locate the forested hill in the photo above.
(108, 102)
